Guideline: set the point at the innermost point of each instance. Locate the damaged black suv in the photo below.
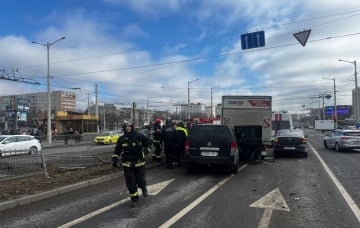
(212, 144)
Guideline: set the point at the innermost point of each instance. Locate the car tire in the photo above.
(33, 150)
(234, 169)
(337, 147)
(325, 144)
(305, 154)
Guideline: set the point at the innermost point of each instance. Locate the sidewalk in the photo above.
(62, 190)
(61, 143)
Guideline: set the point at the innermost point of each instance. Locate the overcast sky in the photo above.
(147, 51)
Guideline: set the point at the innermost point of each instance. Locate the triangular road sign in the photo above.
(303, 36)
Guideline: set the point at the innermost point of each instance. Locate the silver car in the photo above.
(343, 140)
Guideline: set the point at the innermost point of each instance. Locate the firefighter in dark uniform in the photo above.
(130, 148)
(157, 140)
(169, 137)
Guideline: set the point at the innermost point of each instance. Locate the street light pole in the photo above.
(189, 82)
(356, 90)
(335, 118)
(48, 45)
(212, 111)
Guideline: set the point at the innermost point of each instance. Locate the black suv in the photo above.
(212, 144)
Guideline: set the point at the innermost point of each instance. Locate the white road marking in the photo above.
(92, 214)
(355, 209)
(192, 205)
(274, 200)
(152, 189)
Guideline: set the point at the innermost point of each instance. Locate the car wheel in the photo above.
(325, 145)
(33, 150)
(235, 168)
(305, 154)
(337, 147)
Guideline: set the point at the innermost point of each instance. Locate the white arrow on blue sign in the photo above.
(253, 40)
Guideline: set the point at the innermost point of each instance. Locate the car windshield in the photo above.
(210, 131)
(2, 138)
(289, 133)
(106, 133)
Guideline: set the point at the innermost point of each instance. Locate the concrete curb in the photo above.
(59, 191)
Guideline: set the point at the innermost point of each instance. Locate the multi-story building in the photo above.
(196, 110)
(31, 108)
(60, 101)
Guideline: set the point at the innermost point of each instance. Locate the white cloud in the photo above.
(98, 49)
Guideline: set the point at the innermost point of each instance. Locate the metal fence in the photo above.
(20, 163)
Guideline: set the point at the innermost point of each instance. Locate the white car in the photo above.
(18, 144)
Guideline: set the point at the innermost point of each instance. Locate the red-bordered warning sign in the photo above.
(266, 122)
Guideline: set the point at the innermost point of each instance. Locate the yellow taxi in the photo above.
(107, 137)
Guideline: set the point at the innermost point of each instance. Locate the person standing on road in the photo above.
(157, 140)
(169, 138)
(181, 135)
(130, 147)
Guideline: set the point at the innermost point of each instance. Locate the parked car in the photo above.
(343, 140)
(18, 144)
(106, 137)
(290, 141)
(212, 144)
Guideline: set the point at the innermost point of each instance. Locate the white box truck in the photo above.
(324, 125)
(250, 117)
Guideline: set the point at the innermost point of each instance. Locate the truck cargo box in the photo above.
(249, 115)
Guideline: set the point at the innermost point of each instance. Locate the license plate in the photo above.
(263, 153)
(289, 148)
(209, 154)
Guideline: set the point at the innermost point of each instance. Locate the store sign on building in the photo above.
(23, 104)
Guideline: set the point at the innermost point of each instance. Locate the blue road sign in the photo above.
(253, 40)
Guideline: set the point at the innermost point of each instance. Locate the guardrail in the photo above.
(19, 163)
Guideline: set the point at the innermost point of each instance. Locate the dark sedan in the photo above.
(291, 141)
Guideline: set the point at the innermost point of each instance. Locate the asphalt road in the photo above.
(287, 192)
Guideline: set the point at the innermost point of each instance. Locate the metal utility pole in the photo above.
(356, 90)
(335, 109)
(147, 111)
(97, 107)
(189, 82)
(88, 104)
(48, 45)
(212, 111)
